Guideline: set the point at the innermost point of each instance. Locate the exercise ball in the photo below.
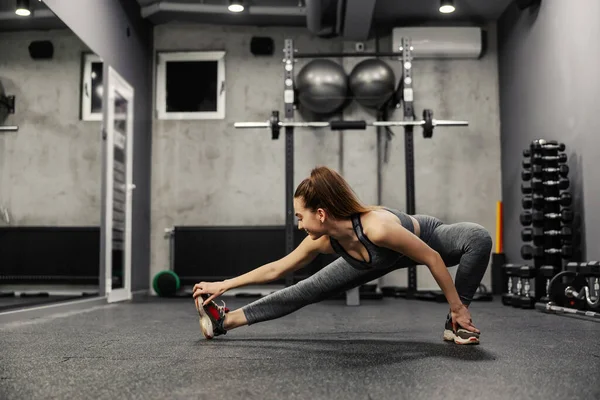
(166, 283)
(372, 82)
(322, 86)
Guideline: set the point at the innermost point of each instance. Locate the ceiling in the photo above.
(351, 19)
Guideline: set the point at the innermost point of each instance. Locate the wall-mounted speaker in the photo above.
(262, 46)
(41, 50)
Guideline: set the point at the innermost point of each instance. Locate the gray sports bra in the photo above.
(379, 257)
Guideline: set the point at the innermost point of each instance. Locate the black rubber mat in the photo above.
(383, 349)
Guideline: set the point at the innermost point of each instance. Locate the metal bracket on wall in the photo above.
(7, 106)
(8, 102)
(5, 215)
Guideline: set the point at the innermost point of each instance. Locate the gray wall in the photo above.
(208, 173)
(103, 26)
(50, 168)
(548, 64)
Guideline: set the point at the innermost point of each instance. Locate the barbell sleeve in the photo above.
(9, 128)
(435, 122)
(444, 122)
(252, 125)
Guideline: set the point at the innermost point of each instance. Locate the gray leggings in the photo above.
(465, 244)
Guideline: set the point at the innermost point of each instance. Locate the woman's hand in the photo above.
(215, 289)
(462, 317)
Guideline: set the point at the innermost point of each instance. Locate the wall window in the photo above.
(191, 85)
(91, 88)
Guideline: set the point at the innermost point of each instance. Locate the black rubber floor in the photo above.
(384, 349)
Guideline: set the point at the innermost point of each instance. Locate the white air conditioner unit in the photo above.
(441, 42)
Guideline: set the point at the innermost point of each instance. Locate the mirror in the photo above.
(119, 189)
(51, 167)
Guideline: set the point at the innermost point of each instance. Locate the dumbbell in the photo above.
(528, 252)
(547, 272)
(565, 215)
(538, 234)
(537, 171)
(538, 184)
(527, 217)
(526, 189)
(524, 299)
(562, 170)
(590, 269)
(513, 289)
(539, 159)
(538, 200)
(542, 144)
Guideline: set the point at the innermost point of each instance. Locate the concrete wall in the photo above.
(208, 173)
(115, 30)
(49, 169)
(548, 68)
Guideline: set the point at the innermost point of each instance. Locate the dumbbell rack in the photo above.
(547, 218)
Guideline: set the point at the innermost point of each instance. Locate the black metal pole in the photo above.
(289, 197)
(409, 153)
(288, 98)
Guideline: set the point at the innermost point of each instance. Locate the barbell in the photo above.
(275, 124)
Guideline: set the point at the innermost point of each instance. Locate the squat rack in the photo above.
(409, 122)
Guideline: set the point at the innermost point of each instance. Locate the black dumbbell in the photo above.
(538, 234)
(565, 215)
(539, 184)
(551, 145)
(538, 200)
(527, 217)
(526, 189)
(592, 269)
(538, 170)
(539, 159)
(528, 252)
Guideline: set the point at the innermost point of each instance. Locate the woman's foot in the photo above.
(458, 334)
(212, 317)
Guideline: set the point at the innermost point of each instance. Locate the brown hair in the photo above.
(326, 189)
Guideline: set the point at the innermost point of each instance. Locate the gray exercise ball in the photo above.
(322, 86)
(372, 82)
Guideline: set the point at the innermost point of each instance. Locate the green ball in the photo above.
(166, 283)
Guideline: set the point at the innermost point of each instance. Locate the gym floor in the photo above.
(383, 349)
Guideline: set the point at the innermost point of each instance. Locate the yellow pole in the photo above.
(499, 227)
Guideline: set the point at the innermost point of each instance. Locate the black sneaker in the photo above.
(212, 317)
(460, 335)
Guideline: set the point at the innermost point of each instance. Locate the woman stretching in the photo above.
(371, 242)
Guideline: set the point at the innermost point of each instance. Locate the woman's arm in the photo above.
(394, 236)
(302, 255)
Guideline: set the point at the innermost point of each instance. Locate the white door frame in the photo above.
(114, 83)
